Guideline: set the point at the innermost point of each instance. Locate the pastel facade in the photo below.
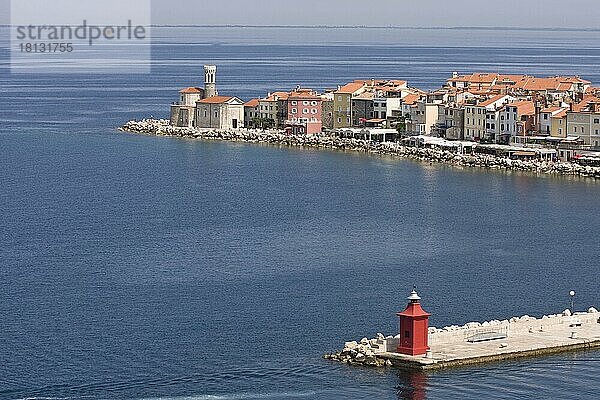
(342, 103)
(475, 117)
(451, 120)
(493, 106)
(362, 109)
(327, 105)
(549, 123)
(251, 113)
(304, 113)
(558, 128)
(269, 109)
(518, 118)
(586, 126)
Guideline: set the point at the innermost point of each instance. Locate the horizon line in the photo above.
(523, 28)
(396, 27)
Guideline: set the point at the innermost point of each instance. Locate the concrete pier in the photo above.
(476, 343)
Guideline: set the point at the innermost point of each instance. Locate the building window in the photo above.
(305, 103)
(294, 103)
(305, 111)
(407, 334)
(545, 116)
(216, 114)
(294, 110)
(205, 112)
(313, 111)
(339, 120)
(596, 120)
(313, 103)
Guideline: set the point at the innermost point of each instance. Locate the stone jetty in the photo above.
(161, 127)
(475, 342)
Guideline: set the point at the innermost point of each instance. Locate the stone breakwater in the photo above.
(447, 343)
(163, 128)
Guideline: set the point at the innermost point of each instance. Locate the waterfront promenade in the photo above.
(427, 154)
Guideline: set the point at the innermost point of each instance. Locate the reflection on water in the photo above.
(412, 385)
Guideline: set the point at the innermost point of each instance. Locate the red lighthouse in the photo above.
(414, 324)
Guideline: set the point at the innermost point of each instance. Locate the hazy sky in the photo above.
(520, 13)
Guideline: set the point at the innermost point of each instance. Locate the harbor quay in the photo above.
(420, 347)
(432, 150)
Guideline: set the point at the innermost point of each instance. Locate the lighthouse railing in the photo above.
(487, 334)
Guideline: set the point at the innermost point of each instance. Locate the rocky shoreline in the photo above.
(162, 127)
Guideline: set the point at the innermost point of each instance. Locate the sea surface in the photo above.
(135, 267)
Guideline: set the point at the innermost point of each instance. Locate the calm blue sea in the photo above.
(136, 267)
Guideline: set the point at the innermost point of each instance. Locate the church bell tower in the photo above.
(210, 81)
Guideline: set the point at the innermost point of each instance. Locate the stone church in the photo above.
(204, 108)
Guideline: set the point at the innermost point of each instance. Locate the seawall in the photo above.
(163, 128)
(476, 343)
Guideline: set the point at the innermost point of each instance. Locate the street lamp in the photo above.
(572, 294)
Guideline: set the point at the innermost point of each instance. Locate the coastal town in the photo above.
(517, 116)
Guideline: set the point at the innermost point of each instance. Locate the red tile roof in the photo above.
(251, 103)
(351, 87)
(475, 78)
(585, 104)
(558, 83)
(192, 90)
(216, 100)
(278, 95)
(410, 99)
(551, 109)
(491, 100)
(524, 107)
(561, 114)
